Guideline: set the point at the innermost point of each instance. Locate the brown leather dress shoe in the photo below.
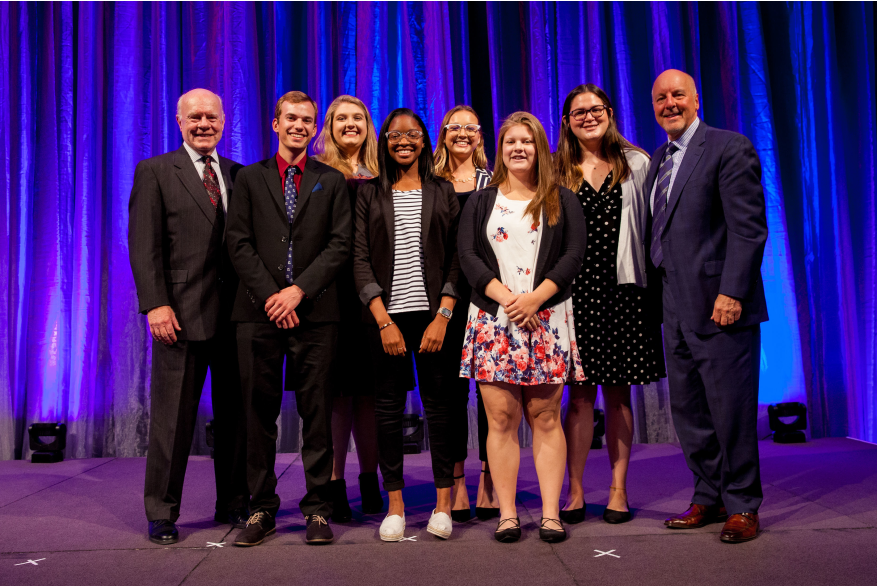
(740, 528)
(697, 516)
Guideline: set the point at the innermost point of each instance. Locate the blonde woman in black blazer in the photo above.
(406, 268)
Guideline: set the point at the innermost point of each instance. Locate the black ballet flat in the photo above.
(616, 516)
(575, 516)
(512, 534)
(550, 534)
(486, 513)
(463, 515)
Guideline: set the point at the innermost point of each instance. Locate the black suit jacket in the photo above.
(374, 248)
(715, 234)
(176, 243)
(259, 233)
(561, 249)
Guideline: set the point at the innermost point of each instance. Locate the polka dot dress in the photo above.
(617, 345)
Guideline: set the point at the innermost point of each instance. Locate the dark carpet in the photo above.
(82, 522)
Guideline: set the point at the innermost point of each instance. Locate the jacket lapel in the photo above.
(388, 214)
(427, 205)
(651, 176)
(689, 162)
(225, 168)
(189, 178)
(547, 235)
(271, 174)
(310, 175)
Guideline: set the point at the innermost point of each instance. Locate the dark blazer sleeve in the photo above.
(241, 244)
(573, 242)
(452, 257)
(474, 267)
(325, 267)
(363, 275)
(742, 199)
(145, 239)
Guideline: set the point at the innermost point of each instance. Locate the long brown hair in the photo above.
(569, 151)
(443, 158)
(547, 194)
(327, 150)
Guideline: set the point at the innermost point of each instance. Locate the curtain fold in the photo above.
(89, 89)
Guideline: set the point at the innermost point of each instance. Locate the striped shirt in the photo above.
(408, 290)
(682, 144)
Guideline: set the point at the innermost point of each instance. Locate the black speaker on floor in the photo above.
(788, 432)
(412, 434)
(209, 436)
(47, 452)
(599, 428)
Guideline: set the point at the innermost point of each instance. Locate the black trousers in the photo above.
(178, 375)
(308, 349)
(436, 393)
(454, 339)
(714, 400)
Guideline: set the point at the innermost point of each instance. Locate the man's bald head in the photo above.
(675, 101)
(201, 119)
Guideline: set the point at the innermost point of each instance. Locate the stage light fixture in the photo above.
(51, 451)
(792, 431)
(599, 428)
(209, 437)
(412, 434)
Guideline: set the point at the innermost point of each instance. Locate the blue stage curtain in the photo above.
(89, 89)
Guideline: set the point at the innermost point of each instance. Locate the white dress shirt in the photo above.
(199, 166)
(682, 144)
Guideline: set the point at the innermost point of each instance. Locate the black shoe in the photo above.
(462, 515)
(512, 534)
(338, 496)
(486, 513)
(575, 516)
(549, 534)
(237, 517)
(163, 532)
(318, 531)
(259, 526)
(617, 516)
(370, 490)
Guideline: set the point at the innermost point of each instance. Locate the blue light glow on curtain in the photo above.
(89, 89)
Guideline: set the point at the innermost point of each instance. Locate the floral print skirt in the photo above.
(496, 350)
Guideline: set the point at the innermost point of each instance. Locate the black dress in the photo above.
(617, 343)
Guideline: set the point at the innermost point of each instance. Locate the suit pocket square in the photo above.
(317, 187)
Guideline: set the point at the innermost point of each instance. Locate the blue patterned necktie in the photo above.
(659, 208)
(290, 194)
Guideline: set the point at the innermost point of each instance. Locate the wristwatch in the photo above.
(445, 312)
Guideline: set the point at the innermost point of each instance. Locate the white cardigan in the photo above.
(631, 260)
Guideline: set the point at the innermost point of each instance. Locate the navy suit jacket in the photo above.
(713, 242)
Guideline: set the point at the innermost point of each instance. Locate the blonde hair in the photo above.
(327, 150)
(569, 151)
(547, 193)
(441, 155)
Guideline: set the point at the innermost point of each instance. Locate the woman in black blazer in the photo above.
(406, 267)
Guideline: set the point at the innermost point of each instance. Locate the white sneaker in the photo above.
(440, 524)
(393, 528)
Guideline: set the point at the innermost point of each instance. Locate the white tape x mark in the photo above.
(217, 544)
(409, 539)
(31, 562)
(609, 552)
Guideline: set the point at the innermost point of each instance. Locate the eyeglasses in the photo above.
(469, 128)
(596, 112)
(396, 136)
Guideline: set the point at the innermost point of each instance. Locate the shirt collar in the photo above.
(682, 142)
(196, 156)
(282, 164)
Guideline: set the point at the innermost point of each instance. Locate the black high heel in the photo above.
(486, 513)
(512, 534)
(463, 515)
(340, 506)
(370, 490)
(617, 516)
(550, 534)
(575, 516)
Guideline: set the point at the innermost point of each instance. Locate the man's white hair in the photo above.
(180, 102)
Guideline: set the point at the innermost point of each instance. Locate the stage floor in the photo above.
(82, 522)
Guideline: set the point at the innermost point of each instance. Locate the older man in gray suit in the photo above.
(186, 287)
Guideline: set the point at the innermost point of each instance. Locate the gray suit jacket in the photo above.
(176, 243)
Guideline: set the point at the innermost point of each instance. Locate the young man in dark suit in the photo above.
(186, 287)
(289, 234)
(706, 238)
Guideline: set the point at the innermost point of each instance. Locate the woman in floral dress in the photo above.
(521, 244)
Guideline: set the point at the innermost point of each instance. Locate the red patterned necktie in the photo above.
(211, 183)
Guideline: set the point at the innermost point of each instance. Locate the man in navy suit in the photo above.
(707, 231)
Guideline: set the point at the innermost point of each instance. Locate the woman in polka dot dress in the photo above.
(619, 340)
